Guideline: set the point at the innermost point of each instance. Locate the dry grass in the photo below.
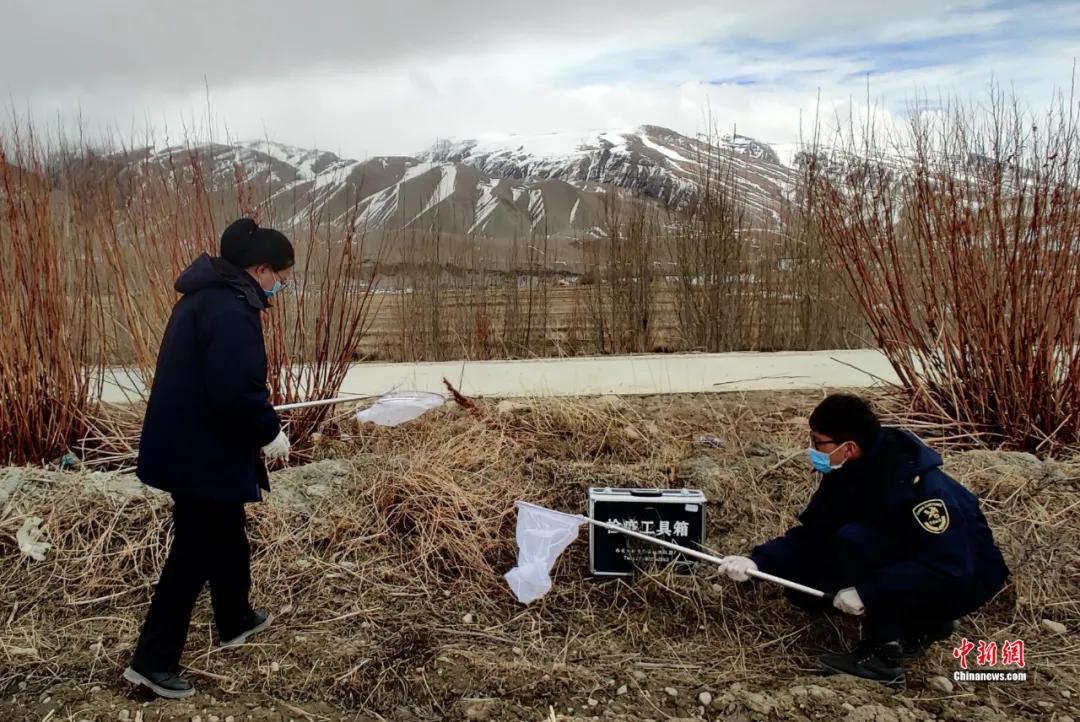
(374, 560)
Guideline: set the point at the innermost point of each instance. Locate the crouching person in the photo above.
(208, 416)
(899, 543)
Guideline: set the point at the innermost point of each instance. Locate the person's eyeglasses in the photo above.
(818, 443)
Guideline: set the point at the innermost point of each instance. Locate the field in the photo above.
(492, 324)
(383, 558)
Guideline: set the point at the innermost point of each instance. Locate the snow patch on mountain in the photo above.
(665, 151)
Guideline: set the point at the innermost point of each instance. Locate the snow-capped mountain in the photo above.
(653, 161)
(500, 188)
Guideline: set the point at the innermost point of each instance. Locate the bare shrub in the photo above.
(958, 236)
(52, 324)
(620, 269)
(97, 240)
(708, 243)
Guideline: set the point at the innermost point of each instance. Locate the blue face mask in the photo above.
(277, 288)
(820, 461)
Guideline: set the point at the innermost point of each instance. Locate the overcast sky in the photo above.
(368, 77)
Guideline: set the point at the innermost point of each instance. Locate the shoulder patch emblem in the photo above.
(932, 515)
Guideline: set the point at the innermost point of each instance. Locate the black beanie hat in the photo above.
(244, 244)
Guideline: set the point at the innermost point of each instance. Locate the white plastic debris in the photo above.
(542, 535)
(1055, 627)
(30, 540)
(400, 407)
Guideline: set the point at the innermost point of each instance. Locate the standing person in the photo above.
(900, 543)
(208, 417)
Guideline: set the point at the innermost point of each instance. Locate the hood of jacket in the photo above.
(212, 272)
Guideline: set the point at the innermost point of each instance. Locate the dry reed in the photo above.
(957, 235)
(48, 308)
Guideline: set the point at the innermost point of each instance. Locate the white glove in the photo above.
(278, 449)
(737, 567)
(849, 602)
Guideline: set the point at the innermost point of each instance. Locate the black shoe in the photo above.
(260, 619)
(917, 643)
(881, 663)
(163, 684)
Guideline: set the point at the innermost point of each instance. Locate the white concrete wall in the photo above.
(629, 375)
(622, 375)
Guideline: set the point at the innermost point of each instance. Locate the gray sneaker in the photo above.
(163, 684)
(260, 620)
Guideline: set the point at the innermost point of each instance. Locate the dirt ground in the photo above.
(382, 563)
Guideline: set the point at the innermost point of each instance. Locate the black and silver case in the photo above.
(673, 515)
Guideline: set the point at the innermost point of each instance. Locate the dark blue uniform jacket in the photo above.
(898, 489)
(209, 412)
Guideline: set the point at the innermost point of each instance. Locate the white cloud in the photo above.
(379, 77)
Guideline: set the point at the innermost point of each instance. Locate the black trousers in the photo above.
(854, 552)
(209, 545)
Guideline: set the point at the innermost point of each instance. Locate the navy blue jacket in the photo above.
(898, 487)
(209, 412)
